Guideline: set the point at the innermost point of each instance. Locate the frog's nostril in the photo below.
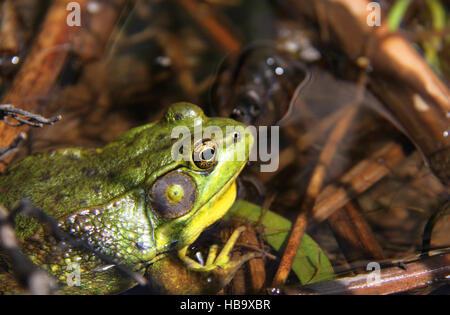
(236, 136)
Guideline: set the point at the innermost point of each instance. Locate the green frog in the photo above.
(131, 200)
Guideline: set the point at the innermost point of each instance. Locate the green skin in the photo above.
(102, 196)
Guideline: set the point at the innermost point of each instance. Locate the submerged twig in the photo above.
(316, 182)
(314, 187)
(358, 179)
(428, 229)
(354, 235)
(415, 98)
(204, 16)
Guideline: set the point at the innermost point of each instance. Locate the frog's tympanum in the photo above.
(130, 200)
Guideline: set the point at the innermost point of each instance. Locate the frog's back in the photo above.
(63, 181)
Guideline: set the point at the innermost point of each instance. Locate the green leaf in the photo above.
(310, 264)
(438, 14)
(397, 13)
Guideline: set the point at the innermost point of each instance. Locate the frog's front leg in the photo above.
(219, 261)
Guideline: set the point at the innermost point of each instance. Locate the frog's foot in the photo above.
(219, 263)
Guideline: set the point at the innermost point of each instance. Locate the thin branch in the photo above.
(411, 275)
(26, 208)
(36, 280)
(30, 119)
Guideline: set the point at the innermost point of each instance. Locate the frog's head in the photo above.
(198, 186)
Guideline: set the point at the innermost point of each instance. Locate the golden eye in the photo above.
(205, 153)
(173, 195)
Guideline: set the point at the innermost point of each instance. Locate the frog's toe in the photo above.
(225, 272)
(224, 257)
(220, 260)
(218, 267)
(212, 255)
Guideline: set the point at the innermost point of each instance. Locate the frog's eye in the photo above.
(173, 195)
(205, 153)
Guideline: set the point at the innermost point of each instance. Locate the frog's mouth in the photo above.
(226, 199)
(212, 210)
